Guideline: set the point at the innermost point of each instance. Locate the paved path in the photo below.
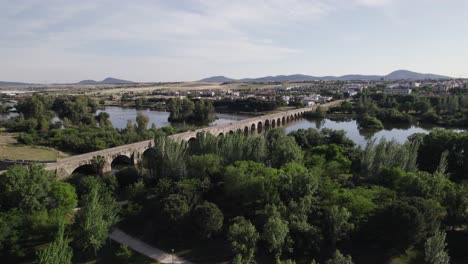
(145, 249)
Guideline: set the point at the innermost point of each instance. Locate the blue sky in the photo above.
(183, 40)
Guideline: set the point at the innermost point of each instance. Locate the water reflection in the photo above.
(119, 117)
(359, 136)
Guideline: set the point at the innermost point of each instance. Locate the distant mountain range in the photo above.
(14, 84)
(396, 75)
(108, 80)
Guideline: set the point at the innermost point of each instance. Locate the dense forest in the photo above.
(307, 197)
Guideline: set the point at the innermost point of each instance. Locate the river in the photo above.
(360, 136)
(119, 117)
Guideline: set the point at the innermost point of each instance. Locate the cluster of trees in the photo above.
(78, 129)
(36, 205)
(307, 196)
(404, 109)
(195, 112)
(249, 105)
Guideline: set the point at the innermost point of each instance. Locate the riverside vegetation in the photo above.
(373, 109)
(69, 123)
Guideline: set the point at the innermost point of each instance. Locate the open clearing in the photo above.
(10, 149)
(22, 152)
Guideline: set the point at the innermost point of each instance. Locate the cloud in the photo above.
(151, 31)
(148, 40)
(374, 3)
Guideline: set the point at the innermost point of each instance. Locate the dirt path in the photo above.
(145, 249)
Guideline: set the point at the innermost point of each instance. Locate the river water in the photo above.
(360, 136)
(119, 117)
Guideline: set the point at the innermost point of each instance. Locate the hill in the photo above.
(14, 84)
(108, 80)
(217, 79)
(396, 75)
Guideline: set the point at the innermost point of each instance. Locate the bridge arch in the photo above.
(221, 134)
(252, 129)
(278, 122)
(148, 159)
(259, 127)
(85, 169)
(273, 123)
(121, 159)
(246, 130)
(267, 124)
(283, 120)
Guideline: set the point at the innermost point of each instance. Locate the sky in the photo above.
(57, 41)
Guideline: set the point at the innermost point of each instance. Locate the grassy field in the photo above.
(10, 149)
(21, 152)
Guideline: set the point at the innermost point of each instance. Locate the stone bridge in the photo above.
(134, 152)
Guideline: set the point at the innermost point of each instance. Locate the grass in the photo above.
(23, 152)
(10, 149)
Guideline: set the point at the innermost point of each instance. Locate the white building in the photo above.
(398, 88)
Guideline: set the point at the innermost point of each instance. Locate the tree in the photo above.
(98, 214)
(175, 207)
(205, 166)
(243, 238)
(275, 232)
(339, 258)
(103, 120)
(65, 196)
(98, 162)
(435, 249)
(337, 224)
(208, 219)
(282, 148)
(405, 222)
(142, 122)
(58, 252)
(296, 182)
(308, 138)
(26, 188)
